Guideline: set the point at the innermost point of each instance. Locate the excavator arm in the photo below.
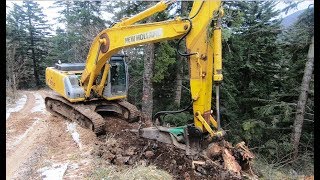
(111, 40)
(204, 46)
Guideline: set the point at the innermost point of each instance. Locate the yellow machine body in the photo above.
(203, 42)
(55, 79)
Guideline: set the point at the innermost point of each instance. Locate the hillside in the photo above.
(291, 19)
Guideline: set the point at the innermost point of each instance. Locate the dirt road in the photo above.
(41, 146)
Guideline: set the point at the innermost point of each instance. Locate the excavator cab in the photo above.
(64, 79)
(117, 83)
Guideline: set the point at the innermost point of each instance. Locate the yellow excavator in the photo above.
(84, 91)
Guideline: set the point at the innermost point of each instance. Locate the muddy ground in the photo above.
(122, 147)
(42, 146)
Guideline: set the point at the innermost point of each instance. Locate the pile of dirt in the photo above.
(122, 147)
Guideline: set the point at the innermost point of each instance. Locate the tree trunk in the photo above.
(14, 86)
(298, 122)
(68, 30)
(35, 63)
(11, 51)
(179, 72)
(34, 60)
(13, 74)
(147, 87)
(147, 91)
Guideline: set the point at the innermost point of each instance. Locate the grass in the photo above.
(136, 172)
(300, 170)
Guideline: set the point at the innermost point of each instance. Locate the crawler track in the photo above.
(83, 115)
(86, 113)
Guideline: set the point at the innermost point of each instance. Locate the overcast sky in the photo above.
(52, 13)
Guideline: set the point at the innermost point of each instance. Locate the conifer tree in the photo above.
(250, 65)
(38, 31)
(83, 22)
(16, 47)
(29, 30)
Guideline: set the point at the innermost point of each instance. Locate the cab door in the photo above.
(117, 84)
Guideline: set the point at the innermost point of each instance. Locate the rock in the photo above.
(125, 159)
(149, 154)
(116, 150)
(174, 161)
(108, 156)
(186, 176)
(131, 161)
(120, 160)
(201, 170)
(180, 167)
(130, 151)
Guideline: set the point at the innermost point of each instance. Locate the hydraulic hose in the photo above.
(158, 114)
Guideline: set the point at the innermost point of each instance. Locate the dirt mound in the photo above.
(122, 147)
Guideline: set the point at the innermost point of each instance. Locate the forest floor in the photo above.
(42, 146)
